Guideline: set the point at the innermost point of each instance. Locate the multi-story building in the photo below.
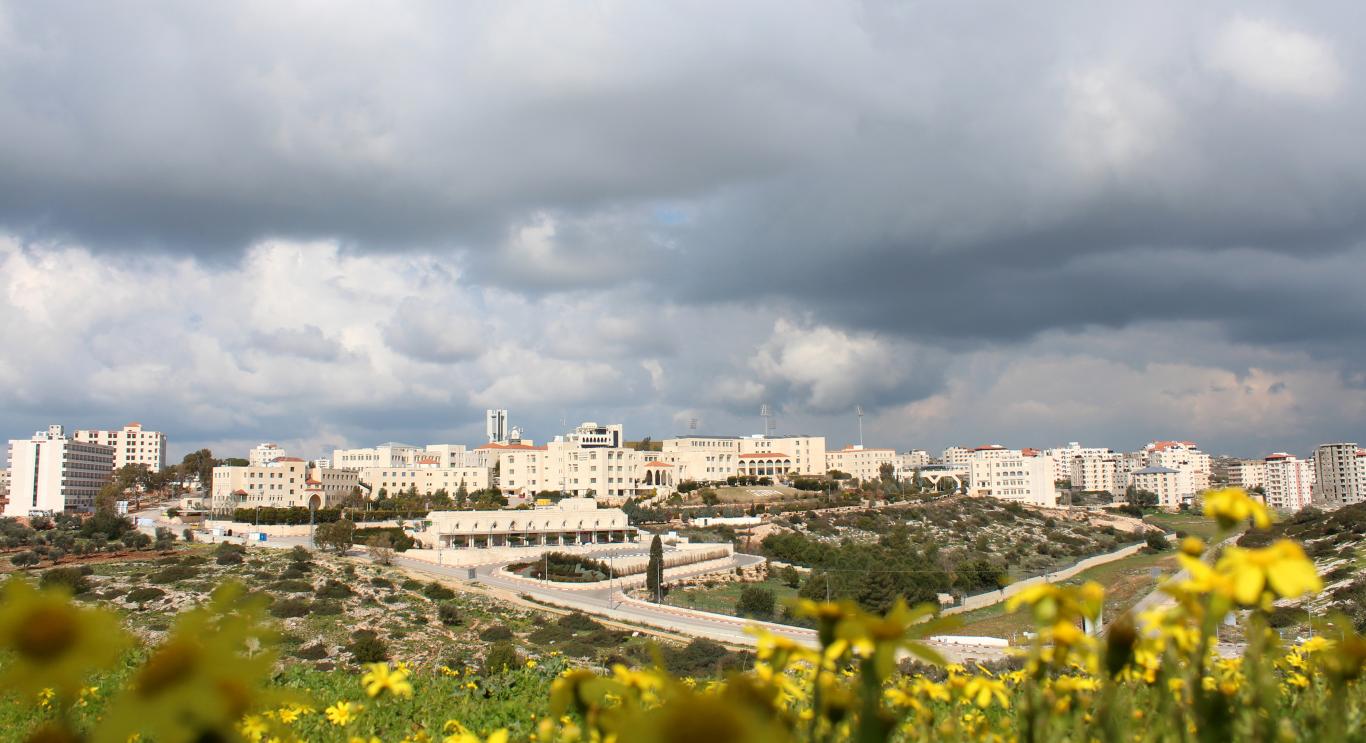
(957, 456)
(589, 461)
(1022, 475)
(1172, 487)
(1182, 456)
(283, 482)
(861, 462)
(1289, 483)
(131, 445)
(913, 460)
(704, 458)
(572, 521)
(266, 453)
(52, 473)
(4, 483)
(808, 453)
(1247, 473)
(1340, 475)
(1096, 472)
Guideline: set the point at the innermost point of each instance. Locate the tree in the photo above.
(655, 568)
(1141, 498)
(755, 602)
(164, 539)
(790, 577)
(381, 548)
(337, 536)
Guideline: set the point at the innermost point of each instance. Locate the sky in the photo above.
(339, 224)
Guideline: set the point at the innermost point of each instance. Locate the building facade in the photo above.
(284, 482)
(51, 473)
(1022, 475)
(266, 453)
(1247, 473)
(861, 462)
(1340, 475)
(1289, 482)
(572, 521)
(131, 445)
(1172, 487)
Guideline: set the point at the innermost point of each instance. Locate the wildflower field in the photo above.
(72, 672)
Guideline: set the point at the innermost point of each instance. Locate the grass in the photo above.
(723, 597)
(1188, 523)
(1125, 580)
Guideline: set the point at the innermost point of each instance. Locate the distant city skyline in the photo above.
(1025, 223)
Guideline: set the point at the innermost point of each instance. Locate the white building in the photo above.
(51, 473)
(704, 458)
(266, 453)
(131, 444)
(572, 521)
(1247, 474)
(496, 426)
(1184, 457)
(1289, 483)
(1171, 487)
(861, 462)
(284, 482)
(808, 453)
(957, 456)
(1340, 475)
(587, 462)
(1022, 475)
(912, 460)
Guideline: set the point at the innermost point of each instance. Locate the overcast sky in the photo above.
(1024, 223)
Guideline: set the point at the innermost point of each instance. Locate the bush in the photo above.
(1157, 541)
(367, 647)
(143, 595)
(70, 578)
(292, 586)
(327, 608)
(291, 607)
(411, 584)
(501, 657)
(577, 621)
(381, 583)
(334, 589)
(173, 573)
(25, 559)
(496, 633)
(295, 571)
(437, 592)
(755, 602)
(449, 615)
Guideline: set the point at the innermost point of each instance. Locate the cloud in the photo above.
(1276, 60)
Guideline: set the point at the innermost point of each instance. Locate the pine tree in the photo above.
(654, 568)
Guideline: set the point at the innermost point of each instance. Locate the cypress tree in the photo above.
(654, 568)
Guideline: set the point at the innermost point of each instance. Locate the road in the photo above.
(610, 601)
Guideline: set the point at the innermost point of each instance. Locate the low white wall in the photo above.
(283, 530)
(491, 555)
(995, 597)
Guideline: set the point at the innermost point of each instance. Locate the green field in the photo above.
(723, 597)
(1188, 523)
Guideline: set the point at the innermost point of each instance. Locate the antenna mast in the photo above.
(859, 409)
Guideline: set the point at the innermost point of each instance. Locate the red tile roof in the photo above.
(287, 459)
(658, 464)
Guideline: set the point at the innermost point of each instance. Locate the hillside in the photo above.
(1336, 541)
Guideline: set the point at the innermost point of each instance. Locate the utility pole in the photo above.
(827, 588)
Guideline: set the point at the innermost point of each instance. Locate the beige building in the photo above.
(131, 445)
(1289, 483)
(1247, 474)
(861, 462)
(808, 453)
(1340, 475)
(572, 521)
(1184, 457)
(284, 482)
(1022, 475)
(957, 456)
(1172, 487)
(704, 458)
(51, 473)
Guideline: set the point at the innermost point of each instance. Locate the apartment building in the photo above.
(52, 473)
(1172, 487)
(1289, 482)
(1023, 475)
(912, 460)
(283, 482)
(266, 453)
(861, 462)
(131, 445)
(1182, 456)
(1247, 473)
(957, 456)
(1339, 474)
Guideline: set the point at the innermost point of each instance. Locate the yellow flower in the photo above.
(253, 728)
(342, 713)
(371, 739)
(1232, 506)
(54, 643)
(379, 678)
(1192, 546)
(530, 663)
(1282, 567)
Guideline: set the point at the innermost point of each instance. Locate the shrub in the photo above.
(755, 602)
(411, 584)
(327, 608)
(291, 607)
(230, 558)
(27, 558)
(173, 573)
(501, 657)
(381, 583)
(577, 621)
(368, 648)
(70, 578)
(293, 572)
(449, 615)
(437, 592)
(143, 595)
(1157, 541)
(194, 560)
(292, 586)
(496, 633)
(316, 651)
(334, 589)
